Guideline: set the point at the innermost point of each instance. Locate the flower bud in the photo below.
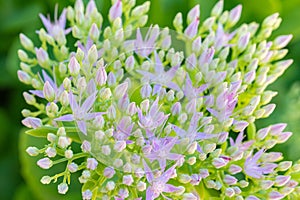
(26, 42)
(218, 9)
(120, 146)
(127, 180)
(45, 163)
(51, 152)
(86, 146)
(92, 54)
(91, 163)
(32, 122)
(42, 57)
(94, 32)
(106, 150)
(73, 167)
(32, 151)
(46, 180)
(74, 66)
(115, 11)
(62, 188)
(141, 186)
(69, 154)
(24, 77)
(109, 172)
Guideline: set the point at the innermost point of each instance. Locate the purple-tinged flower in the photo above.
(45, 163)
(161, 151)
(207, 56)
(192, 133)
(116, 10)
(81, 113)
(51, 82)
(225, 103)
(190, 92)
(239, 142)
(91, 163)
(124, 129)
(56, 29)
(145, 47)
(158, 185)
(87, 195)
(192, 29)
(222, 38)
(153, 118)
(32, 122)
(160, 77)
(255, 169)
(274, 195)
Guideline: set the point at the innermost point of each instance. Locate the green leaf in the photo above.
(44, 130)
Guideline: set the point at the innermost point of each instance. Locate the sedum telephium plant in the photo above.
(158, 113)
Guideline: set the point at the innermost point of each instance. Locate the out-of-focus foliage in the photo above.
(22, 16)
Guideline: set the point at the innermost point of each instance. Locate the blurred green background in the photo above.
(20, 179)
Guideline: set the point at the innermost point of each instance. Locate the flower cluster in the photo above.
(158, 113)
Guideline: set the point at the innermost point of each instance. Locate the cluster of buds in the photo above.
(158, 113)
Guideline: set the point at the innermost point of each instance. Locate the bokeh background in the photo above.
(18, 174)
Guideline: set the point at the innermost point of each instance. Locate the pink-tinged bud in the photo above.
(229, 192)
(262, 133)
(141, 186)
(249, 77)
(111, 79)
(234, 15)
(268, 110)
(73, 167)
(191, 62)
(106, 150)
(274, 195)
(101, 76)
(24, 77)
(277, 128)
(284, 64)
(127, 180)
(266, 184)
(196, 45)
(239, 126)
(195, 179)
(51, 152)
(206, 56)
(45, 163)
(74, 66)
(92, 54)
(49, 92)
(203, 173)
(26, 42)
(292, 184)
(42, 57)
(176, 108)
(234, 169)
(87, 194)
(192, 29)
(86, 146)
(109, 172)
(283, 137)
(243, 42)
(123, 102)
(189, 196)
(252, 197)
(194, 13)
(94, 32)
(91, 163)
(230, 180)
(139, 172)
(63, 142)
(146, 90)
(129, 63)
(217, 9)
(32, 122)
(118, 163)
(116, 10)
(131, 109)
(32, 151)
(281, 41)
(62, 188)
(219, 162)
(222, 137)
(147, 149)
(29, 98)
(120, 146)
(281, 180)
